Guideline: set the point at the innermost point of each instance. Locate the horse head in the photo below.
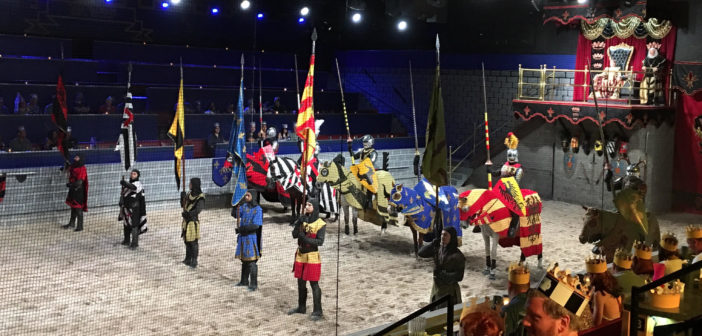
(592, 228)
(331, 172)
(398, 197)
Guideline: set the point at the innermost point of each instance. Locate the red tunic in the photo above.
(78, 199)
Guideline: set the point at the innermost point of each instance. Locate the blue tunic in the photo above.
(247, 241)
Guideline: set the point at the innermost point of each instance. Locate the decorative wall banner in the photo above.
(630, 26)
(567, 14)
(687, 77)
(625, 115)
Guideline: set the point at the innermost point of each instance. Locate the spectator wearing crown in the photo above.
(669, 255)
(555, 308)
(625, 277)
(606, 299)
(517, 288)
(642, 264)
(481, 319)
(694, 242)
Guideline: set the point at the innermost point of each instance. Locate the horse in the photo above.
(341, 179)
(486, 208)
(419, 207)
(610, 230)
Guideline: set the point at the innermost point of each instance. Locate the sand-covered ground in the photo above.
(58, 282)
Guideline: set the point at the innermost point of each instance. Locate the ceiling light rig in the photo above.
(356, 17)
(245, 4)
(175, 2)
(402, 25)
(305, 11)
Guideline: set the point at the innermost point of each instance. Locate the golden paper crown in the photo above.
(669, 242)
(694, 232)
(643, 251)
(596, 264)
(511, 141)
(518, 274)
(566, 289)
(493, 309)
(623, 259)
(667, 295)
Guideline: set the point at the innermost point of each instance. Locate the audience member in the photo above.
(517, 288)
(3, 107)
(211, 109)
(79, 105)
(264, 131)
(606, 299)
(251, 133)
(20, 104)
(230, 109)
(284, 135)
(213, 139)
(49, 108)
(33, 106)
(197, 107)
(545, 317)
(20, 143)
(250, 109)
(278, 108)
(669, 255)
(107, 107)
(51, 140)
(694, 242)
(626, 278)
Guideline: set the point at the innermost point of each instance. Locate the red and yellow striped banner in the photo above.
(304, 127)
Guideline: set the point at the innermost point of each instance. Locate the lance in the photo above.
(297, 85)
(260, 97)
(600, 121)
(488, 163)
(343, 104)
(414, 124)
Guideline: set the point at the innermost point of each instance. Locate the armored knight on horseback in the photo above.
(365, 170)
(512, 168)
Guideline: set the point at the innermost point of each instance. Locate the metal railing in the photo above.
(449, 316)
(545, 83)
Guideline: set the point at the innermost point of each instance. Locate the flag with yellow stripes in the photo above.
(177, 134)
(304, 127)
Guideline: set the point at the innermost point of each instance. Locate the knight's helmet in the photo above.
(272, 138)
(511, 141)
(271, 132)
(633, 170)
(367, 141)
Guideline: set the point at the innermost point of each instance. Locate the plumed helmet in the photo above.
(633, 169)
(271, 132)
(512, 155)
(367, 141)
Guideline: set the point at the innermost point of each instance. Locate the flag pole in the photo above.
(260, 98)
(129, 85)
(297, 85)
(414, 124)
(303, 169)
(600, 121)
(343, 104)
(183, 157)
(488, 163)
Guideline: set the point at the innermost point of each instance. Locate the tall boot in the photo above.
(195, 251)
(188, 254)
(135, 237)
(245, 268)
(301, 298)
(253, 284)
(493, 266)
(79, 215)
(487, 265)
(316, 301)
(126, 230)
(72, 221)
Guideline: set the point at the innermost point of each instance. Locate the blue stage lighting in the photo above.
(215, 11)
(164, 5)
(301, 20)
(108, 1)
(259, 16)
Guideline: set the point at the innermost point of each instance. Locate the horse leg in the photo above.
(415, 242)
(541, 256)
(354, 216)
(522, 257)
(486, 240)
(493, 252)
(346, 211)
(383, 227)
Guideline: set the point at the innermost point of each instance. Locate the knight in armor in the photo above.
(632, 180)
(248, 242)
(309, 231)
(132, 209)
(512, 167)
(651, 91)
(367, 152)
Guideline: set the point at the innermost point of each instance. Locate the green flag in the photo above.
(434, 163)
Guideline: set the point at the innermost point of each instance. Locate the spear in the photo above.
(414, 124)
(343, 105)
(297, 85)
(260, 97)
(600, 121)
(488, 163)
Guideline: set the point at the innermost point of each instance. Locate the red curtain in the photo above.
(582, 57)
(688, 152)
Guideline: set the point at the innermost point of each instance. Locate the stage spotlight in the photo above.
(175, 2)
(402, 25)
(259, 16)
(356, 17)
(108, 1)
(582, 1)
(304, 11)
(245, 4)
(215, 11)
(164, 5)
(301, 20)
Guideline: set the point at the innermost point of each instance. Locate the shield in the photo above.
(569, 164)
(221, 174)
(365, 172)
(508, 192)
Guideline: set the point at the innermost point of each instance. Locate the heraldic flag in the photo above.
(60, 118)
(126, 144)
(177, 133)
(434, 163)
(304, 128)
(236, 155)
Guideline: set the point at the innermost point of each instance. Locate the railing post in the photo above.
(449, 317)
(542, 83)
(586, 84)
(519, 84)
(555, 84)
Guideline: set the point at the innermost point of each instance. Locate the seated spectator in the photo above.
(20, 143)
(546, 317)
(251, 134)
(230, 109)
(625, 277)
(278, 108)
(213, 139)
(211, 109)
(669, 255)
(264, 131)
(284, 135)
(20, 104)
(70, 141)
(107, 107)
(49, 108)
(33, 106)
(3, 107)
(517, 287)
(606, 299)
(197, 107)
(79, 105)
(51, 140)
